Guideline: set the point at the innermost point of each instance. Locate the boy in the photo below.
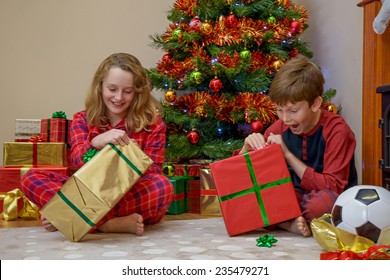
(318, 145)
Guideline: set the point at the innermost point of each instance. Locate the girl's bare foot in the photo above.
(47, 225)
(298, 226)
(132, 223)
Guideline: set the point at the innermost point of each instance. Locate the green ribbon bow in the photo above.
(59, 115)
(89, 154)
(266, 241)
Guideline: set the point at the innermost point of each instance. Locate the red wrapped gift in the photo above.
(56, 129)
(10, 177)
(255, 190)
(191, 172)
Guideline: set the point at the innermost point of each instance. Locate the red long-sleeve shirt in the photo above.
(328, 151)
(152, 142)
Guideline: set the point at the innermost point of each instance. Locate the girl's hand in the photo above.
(113, 136)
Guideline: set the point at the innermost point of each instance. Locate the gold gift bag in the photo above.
(95, 188)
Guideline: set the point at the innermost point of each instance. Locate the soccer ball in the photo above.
(365, 211)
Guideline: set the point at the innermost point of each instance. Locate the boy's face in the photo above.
(300, 117)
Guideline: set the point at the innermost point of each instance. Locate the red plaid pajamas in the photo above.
(316, 203)
(150, 196)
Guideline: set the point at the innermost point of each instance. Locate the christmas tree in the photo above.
(220, 59)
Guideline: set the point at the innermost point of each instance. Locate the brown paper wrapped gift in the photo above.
(95, 188)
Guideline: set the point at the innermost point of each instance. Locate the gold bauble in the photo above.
(168, 170)
(170, 95)
(332, 108)
(206, 28)
(277, 64)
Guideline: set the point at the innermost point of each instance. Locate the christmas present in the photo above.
(29, 154)
(95, 188)
(26, 128)
(56, 129)
(255, 190)
(191, 172)
(10, 177)
(16, 205)
(179, 202)
(209, 203)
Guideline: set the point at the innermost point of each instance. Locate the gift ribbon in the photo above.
(81, 214)
(89, 154)
(256, 188)
(208, 192)
(59, 115)
(178, 196)
(379, 252)
(34, 140)
(10, 206)
(266, 241)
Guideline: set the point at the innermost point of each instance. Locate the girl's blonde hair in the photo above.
(144, 108)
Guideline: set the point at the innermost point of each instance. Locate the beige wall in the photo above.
(49, 50)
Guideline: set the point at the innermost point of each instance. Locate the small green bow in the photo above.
(89, 154)
(266, 241)
(59, 115)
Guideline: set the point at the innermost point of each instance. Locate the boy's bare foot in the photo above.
(132, 223)
(298, 226)
(47, 225)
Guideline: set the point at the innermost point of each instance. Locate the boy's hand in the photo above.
(253, 142)
(277, 139)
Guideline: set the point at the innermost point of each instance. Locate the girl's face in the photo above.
(118, 93)
(300, 117)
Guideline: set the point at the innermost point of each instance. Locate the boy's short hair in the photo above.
(297, 80)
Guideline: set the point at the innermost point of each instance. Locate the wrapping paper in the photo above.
(31, 154)
(209, 202)
(255, 190)
(26, 128)
(16, 205)
(95, 188)
(179, 202)
(192, 172)
(343, 245)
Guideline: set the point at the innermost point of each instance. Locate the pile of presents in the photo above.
(39, 144)
(249, 191)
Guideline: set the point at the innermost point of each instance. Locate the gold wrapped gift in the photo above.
(29, 154)
(95, 188)
(209, 203)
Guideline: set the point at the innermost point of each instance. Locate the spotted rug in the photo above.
(201, 239)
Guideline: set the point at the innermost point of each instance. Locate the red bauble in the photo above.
(295, 26)
(215, 85)
(257, 126)
(231, 21)
(193, 137)
(195, 23)
(166, 57)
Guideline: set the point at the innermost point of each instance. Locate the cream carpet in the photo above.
(201, 239)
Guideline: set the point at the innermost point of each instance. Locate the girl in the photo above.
(118, 106)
